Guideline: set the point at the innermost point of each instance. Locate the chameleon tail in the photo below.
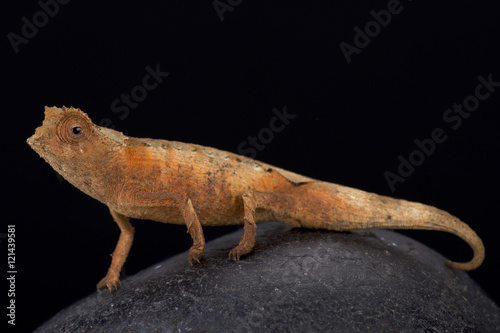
(355, 210)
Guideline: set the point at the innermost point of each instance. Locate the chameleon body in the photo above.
(174, 182)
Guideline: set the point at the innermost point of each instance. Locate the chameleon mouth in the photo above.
(32, 141)
(35, 143)
(36, 139)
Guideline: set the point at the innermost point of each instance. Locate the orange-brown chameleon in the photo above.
(174, 182)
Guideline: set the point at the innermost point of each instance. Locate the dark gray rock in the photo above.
(296, 280)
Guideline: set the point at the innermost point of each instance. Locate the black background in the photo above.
(353, 120)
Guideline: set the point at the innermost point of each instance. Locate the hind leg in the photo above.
(194, 229)
(276, 202)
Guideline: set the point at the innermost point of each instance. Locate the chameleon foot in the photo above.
(239, 251)
(194, 255)
(110, 282)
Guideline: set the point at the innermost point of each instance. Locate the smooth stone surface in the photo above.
(296, 280)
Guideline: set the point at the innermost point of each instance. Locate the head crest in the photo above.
(53, 114)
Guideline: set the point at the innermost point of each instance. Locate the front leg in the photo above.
(111, 280)
(183, 202)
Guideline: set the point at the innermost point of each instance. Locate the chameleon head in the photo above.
(64, 137)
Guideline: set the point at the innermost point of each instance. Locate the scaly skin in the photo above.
(174, 182)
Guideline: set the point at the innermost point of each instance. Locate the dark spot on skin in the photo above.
(269, 170)
(145, 144)
(238, 159)
(389, 217)
(164, 146)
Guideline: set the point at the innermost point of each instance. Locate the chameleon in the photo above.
(181, 183)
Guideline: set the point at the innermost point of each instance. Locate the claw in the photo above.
(238, 251)
(194, 256)
(234, 255)
(109, 282)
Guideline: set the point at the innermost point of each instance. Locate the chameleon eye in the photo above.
(73, 128)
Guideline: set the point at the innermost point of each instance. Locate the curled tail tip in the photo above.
(479, 252)
(466, 266)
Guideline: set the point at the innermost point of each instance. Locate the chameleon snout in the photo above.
(35, 142)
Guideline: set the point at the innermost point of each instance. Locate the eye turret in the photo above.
(73, 128)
